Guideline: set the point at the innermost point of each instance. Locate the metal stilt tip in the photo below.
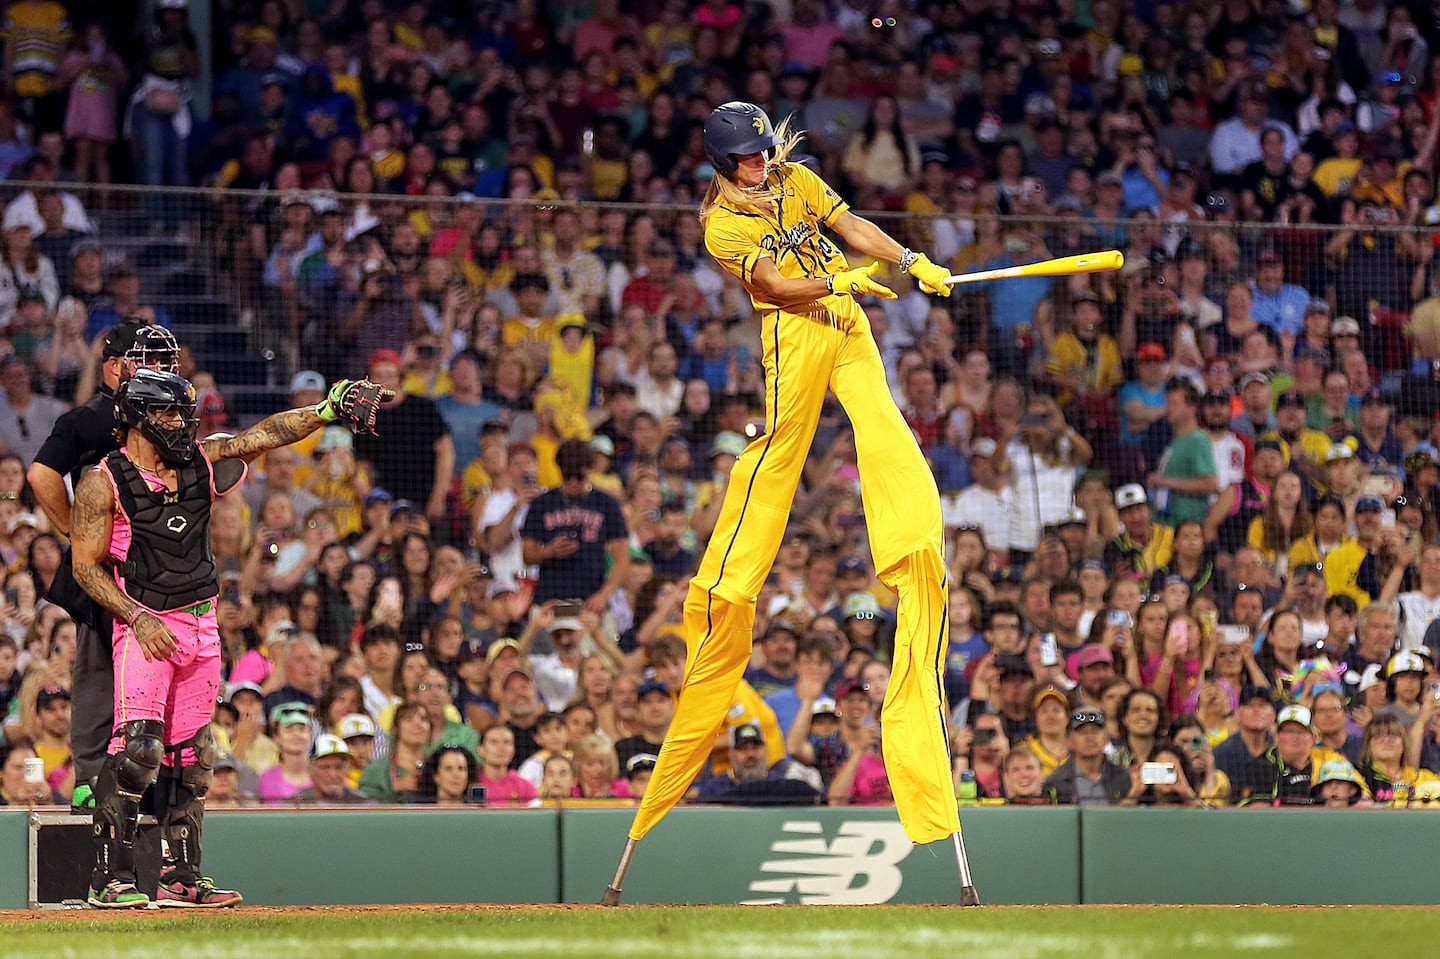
(612, 891)
(968, 896)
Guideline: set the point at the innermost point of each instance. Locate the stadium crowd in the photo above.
(1189, 507)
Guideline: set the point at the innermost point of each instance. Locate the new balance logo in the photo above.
(861, 865)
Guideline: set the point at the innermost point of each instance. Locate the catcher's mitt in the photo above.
(356, 402)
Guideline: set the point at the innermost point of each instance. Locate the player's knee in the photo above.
(139, 761)
(207, 750)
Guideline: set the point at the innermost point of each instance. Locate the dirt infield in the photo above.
(8, 916)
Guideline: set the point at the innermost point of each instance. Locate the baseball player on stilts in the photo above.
(762, 219)
(140, 546)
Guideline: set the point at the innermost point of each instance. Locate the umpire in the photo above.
(81, 438)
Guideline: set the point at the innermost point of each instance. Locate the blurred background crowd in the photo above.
(1189, 506)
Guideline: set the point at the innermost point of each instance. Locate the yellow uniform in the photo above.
(808, 349)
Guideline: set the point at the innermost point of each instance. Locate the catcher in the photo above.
(140, 535)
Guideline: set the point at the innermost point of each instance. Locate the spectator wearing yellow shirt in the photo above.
(530, 330)
(425, 373)
(572, 356)
(1334, 176)
(338, 481)
(1084, 361)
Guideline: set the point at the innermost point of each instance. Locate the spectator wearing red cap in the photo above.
(413, 455)
(857, 732)
(1142, 400)
(1090, 667)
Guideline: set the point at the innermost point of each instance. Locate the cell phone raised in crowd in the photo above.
(1049, 650)
(531, 480)
(567, 608)
(1158, 774)
(984, 737)
(1118, 617)
(1180, 636)
(476, 795)
(12, 596)
(1231, 634)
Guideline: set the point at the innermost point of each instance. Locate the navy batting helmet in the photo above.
(736, 129)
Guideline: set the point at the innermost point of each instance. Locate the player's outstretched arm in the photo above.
(355, 401)
(860, 234)
(272, 432)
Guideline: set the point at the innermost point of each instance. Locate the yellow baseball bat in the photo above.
(1060, 266)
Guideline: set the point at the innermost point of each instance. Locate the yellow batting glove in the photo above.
(930, 277)
(858, 282)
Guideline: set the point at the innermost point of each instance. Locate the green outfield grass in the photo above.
(758, 932)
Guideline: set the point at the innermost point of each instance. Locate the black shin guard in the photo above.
(183, 795)
(123, 779)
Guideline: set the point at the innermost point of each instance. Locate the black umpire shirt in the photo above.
(82, 437)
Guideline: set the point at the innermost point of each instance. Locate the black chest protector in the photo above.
(169, 564)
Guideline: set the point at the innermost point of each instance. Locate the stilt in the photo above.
(968, 895)
(612, 891)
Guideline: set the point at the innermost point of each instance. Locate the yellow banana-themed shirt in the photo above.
(789, 233)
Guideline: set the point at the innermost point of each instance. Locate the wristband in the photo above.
(907, 259)
(830, 283)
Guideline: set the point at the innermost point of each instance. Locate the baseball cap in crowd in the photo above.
(470, 650)
(852, 566)
(225, 759)
(1086, 716)
(1150, 353)
(567, 624)
(1338, 452)
(639, 763)
(51, 694)
(1369, 678)
(1249, 693)
(851, 686)
(1345, 326)
(1317, 306)
(1269, 443)
(498, 647)
(1131, 494)
(1250, 378)
(1373, 397)
(383, 355)
(727, 442)
(824, 706)
(652, 686)
(237, 688)
(378, 495)
(1009, 575)
(984, 446)
(602, 445)
(861, 606)
(1090, 654)
(1048, 692)
(1369, 504)
(745, 734)
(1290, 398)
(335, 439)
(500, 586)
(354, 726)
(513, 672)
(327, 744)
(1293, 714)
(23, 518)
(86, 244)
(1074, 516)
(307, 380)
(1405, 661)
(290, 714)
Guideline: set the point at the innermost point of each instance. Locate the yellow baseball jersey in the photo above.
(789, 233)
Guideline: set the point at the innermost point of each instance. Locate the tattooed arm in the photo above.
(92, 519)
(282, 429)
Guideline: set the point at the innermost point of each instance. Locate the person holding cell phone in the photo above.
(1163, 781)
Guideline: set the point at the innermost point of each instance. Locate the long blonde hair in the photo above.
(724, 191)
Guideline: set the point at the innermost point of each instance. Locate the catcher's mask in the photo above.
(140, 403)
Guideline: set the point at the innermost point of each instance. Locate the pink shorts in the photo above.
(179, 691)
